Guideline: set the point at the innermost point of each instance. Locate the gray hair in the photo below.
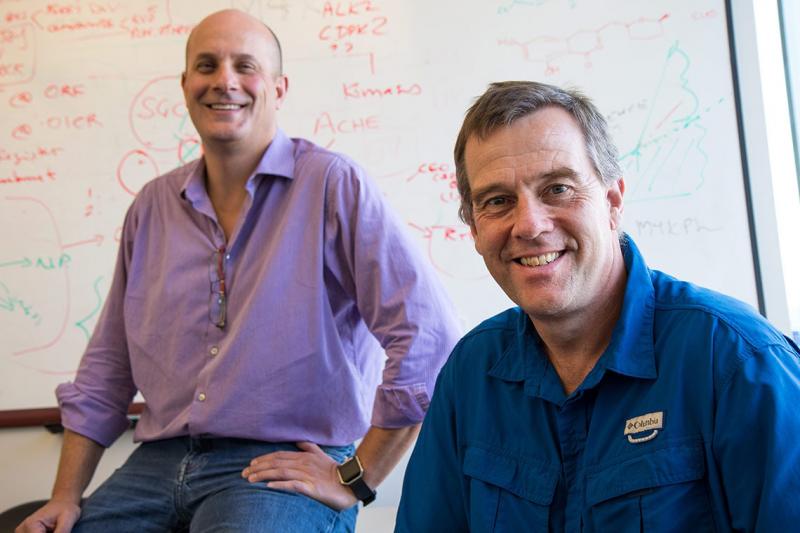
(505, 102)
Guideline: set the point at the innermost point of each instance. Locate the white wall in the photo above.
(30, 458)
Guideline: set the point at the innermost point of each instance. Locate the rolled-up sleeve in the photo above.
(397, 294)
(95, 404)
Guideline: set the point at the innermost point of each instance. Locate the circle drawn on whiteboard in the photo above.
(34, 282)
(135, 169)
(158, 115)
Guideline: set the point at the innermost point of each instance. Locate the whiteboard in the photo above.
(92, 109)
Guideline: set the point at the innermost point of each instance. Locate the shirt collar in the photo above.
(630, 352)
(525, 361)
(521, 360)
(277, 160)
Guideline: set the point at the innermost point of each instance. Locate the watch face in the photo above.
(350, 470)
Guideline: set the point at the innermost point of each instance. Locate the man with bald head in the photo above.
(257, 293)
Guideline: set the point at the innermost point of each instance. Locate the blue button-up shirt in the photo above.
(687, 422)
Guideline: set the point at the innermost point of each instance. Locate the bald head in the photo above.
(234, 20)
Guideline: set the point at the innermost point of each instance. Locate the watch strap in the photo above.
(362, 491)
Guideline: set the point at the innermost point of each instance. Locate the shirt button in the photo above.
(201, 397)
(214, 350)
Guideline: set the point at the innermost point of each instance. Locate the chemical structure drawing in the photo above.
(550, 49)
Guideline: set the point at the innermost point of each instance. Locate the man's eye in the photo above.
(559, 189)
(496, 201)
(205, 67)
(247, 67)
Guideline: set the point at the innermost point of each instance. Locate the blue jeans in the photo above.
(195, 485)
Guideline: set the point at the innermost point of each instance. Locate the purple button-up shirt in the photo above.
(320, 282)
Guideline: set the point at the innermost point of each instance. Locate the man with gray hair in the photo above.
(614, 397)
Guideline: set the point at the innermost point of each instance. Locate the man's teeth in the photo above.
(227, 107)
(539, 260)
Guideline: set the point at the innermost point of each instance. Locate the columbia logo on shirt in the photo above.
(644, 428)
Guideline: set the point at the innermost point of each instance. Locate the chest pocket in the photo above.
(508, 493)
(663, 490)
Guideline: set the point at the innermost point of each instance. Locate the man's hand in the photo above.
(79, 458)
(57, 515)
(310, 472)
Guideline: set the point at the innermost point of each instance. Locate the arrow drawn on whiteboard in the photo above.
(97, 239)
(24, 263)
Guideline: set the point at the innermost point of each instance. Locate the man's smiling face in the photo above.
(543, 221)
(231, 84)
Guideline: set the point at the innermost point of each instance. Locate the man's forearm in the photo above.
(381, 449)
(79, 458)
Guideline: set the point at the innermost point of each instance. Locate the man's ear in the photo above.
(614, 196)
(474, 231)
(183, 79)
(281, 88)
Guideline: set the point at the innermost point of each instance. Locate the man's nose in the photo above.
(531, 219)
(226, 79)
